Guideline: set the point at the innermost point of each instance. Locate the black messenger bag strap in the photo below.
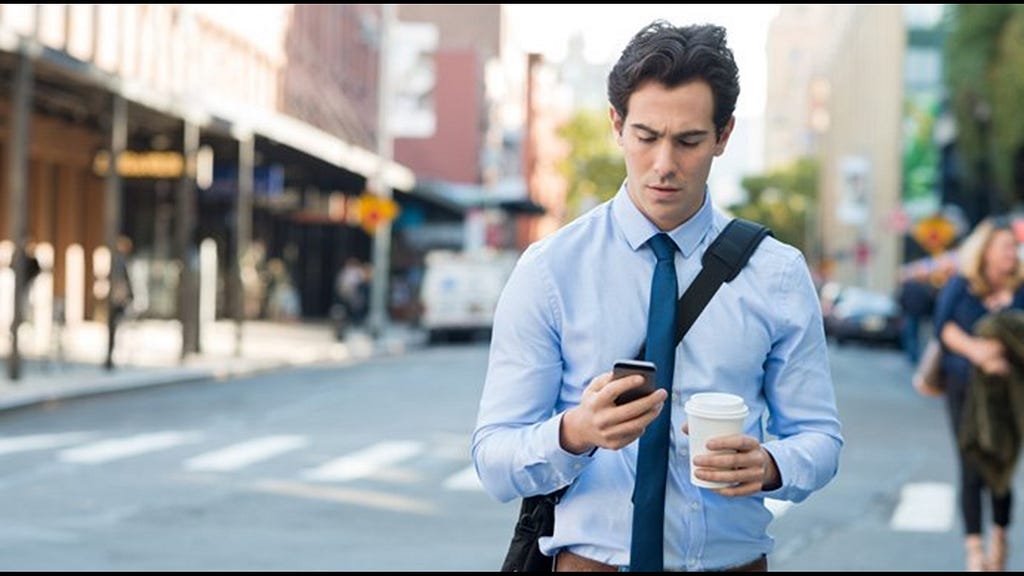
(722, 261)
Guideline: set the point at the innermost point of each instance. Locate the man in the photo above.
(579, 300)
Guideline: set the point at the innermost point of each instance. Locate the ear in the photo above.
(724, 138)
(617, 122)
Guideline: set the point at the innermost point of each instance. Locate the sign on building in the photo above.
(412, 79)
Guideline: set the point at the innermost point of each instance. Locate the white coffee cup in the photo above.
(709, 415)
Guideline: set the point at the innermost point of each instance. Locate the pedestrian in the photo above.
(990, 279)
(579, 299)
(352, 288)
(917, 302)
(120, 296)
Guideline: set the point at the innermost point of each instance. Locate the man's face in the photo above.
(668, 140)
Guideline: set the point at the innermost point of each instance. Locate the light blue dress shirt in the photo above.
(576, 302)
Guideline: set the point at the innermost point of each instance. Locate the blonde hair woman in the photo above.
(990, 279)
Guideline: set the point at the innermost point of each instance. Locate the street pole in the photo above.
(243, 228)
(17, 186)
(188, 305)
(382, 233)
(112, 205)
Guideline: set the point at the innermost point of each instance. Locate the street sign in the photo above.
(375, 210)
(934, 233)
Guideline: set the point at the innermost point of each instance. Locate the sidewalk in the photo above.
(148, 354)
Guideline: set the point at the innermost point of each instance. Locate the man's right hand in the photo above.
(598, 422)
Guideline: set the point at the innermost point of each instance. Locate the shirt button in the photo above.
(692, 563)
(695, 505)
(682, 451)
(577, 466)
(675, 397)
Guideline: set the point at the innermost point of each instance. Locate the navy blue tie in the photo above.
(647, 550)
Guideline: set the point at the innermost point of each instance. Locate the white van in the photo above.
(460, 290)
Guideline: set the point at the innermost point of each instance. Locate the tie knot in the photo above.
(663, 246)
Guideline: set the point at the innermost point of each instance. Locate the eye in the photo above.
(646, 139)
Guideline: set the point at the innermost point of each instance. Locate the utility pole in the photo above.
(188, 305)
(382, 233)
(17, 186)
(243, 228)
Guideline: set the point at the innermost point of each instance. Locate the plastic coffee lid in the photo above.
(716, 405)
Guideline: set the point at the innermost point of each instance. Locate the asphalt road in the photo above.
(366, 467)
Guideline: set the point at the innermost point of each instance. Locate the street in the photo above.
(366, 467)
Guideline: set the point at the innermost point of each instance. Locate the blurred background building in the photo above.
(258, 132)
(858, 88)
(249, 143)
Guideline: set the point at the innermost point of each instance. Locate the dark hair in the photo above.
(675, 55)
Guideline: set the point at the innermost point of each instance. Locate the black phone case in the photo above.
(646, 388)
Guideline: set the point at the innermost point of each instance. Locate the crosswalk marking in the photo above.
(465, 479)
(244, 454)
(924, 507)
(364, 462)
(108, 450)
(41, 441)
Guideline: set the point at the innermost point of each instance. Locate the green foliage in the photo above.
(984, 65)
(784, 200)
(593, 168)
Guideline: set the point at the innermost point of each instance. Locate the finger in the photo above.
(652, 402)
(744, 489)
(731, 476)
(599, 382)
(738, 442)
(616, 387)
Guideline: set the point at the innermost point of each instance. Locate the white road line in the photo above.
(465, 479)
(245, 453)
(777, 507)
(925, 507)
(41, 441)
(107, 450)
(364, 462)
(351, 496)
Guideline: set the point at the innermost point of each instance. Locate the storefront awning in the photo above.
(222, 116)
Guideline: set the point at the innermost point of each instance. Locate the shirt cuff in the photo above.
(567, 466)
(775, 450)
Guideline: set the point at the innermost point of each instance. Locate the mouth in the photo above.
(663, 191)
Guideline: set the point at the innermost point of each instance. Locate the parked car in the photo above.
(859, 314)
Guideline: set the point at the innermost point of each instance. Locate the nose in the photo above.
(664, 160)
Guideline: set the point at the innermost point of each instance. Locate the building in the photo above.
(253, 131)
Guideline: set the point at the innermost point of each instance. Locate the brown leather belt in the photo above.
(566, 561)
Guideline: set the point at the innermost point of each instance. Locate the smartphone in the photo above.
(623, 368)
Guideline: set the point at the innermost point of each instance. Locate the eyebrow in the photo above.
(645, 128)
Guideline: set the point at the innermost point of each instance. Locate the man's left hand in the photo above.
(743, 464)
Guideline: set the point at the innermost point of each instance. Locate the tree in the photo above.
(593, 168)
(984, 57)
(784, 200)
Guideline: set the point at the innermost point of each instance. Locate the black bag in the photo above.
(536, 519)
(730, 251)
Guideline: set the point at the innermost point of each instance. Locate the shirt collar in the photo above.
(638, 229)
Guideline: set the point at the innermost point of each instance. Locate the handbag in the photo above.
(722, 261)
(928, 374)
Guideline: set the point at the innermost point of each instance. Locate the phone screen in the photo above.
(625, 368)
